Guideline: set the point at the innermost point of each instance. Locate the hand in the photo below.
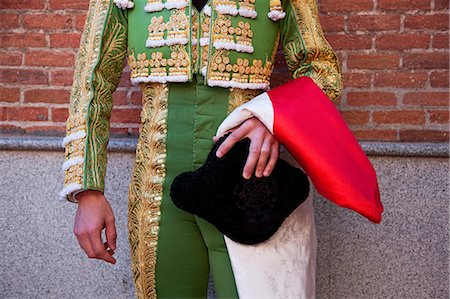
(93, 214)
(263, 151)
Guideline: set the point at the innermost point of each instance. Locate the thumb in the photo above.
(111, 234)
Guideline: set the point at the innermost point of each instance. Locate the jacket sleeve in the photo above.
(98, 69)
(305, 48)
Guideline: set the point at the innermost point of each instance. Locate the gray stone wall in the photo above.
(406, 256)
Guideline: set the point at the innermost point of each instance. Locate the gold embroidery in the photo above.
(240, 96)
(178, 24)
(146, 188)
(248, 5)
(314, 56)
(156, 31)
(194, 39)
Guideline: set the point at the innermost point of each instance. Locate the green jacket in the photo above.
(231, 42)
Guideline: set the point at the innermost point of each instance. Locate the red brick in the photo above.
(21, 4)
(440, 41)
(399, 117)
(426, 99)
(9, 94)
(47, 21)
(62, 78)
(423, 135)
(126, 115)
(332, 23)
(10, 58)
(23, 76)
(49, 58)
(120, 131)
(371, 98)
(358, 80)
(355, 117)
(439, 116)
(400, 79)
(65, 40)
(23, 113)
(80, 22)
(404, 5)
(345, 5)
(350, 41)
(125, 79)
(424, 22)
(375, 135)
(26, 40)
(441, 4)
(60, 114)
(9, 21)
(373, 61)
(439, 79)
(426, 60)
(120, 98)
(47, 96)
(402, 41)
(69, 4)
(373, 22)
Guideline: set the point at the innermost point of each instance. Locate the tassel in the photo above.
(124, 4)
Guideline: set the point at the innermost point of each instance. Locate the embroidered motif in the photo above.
(124, 4)
(146, 189)
(226, 7)
(156, 32)
(247, 9)
(176, 4)
(240, 96)
(154, 5)
(194, 40)
(177, 28)
(224, 35)
(158, 68)
(276, 10)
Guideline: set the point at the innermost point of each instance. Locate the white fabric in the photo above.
(69, 192)
(151, 7)
(72, 137)
(260, 107)
(71, 162)
(276, 15)
(284, 266)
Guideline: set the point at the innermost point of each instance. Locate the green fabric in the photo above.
(188, 246)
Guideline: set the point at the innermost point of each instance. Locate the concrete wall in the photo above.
(406, 256)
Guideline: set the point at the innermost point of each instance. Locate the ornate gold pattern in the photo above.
(146, 188)
(240, 96)
(225, 36)
(313, 55)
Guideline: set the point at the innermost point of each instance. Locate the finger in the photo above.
(230, 141)
(99, 249)
(108, 249)
(263, 156)
(253, 156)
(272, 161)
(215, 138)
(111, 233)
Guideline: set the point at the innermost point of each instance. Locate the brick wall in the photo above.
(394, 56)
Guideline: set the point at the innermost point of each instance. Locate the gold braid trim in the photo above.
(146, 188)
(312, 55)
(240, 96)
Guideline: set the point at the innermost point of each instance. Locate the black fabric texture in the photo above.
(247, 211)
(199, 4)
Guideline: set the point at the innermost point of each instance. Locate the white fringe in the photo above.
(225, 45)
(207, 10)
(151, 7)
(248, 13)
(176, 4)
(159, 79)
(204, 69)
(124, 4)
(194, 42)
(71, 162)
(244, 48)
(276, 15)
(176, 41)
(204, 41)
(72, 137)
(227, 9)
(69, 189)
(233, 84)
(150, 43)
